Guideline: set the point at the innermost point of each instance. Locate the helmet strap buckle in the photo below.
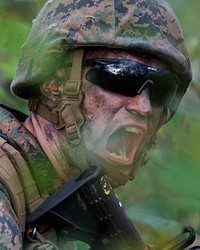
(68, 120)
(67, 114)
(69, 107)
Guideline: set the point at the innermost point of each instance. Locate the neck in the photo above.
(53, 144)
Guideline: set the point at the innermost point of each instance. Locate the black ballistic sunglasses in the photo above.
(130, 78)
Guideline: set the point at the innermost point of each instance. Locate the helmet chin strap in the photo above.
(67, 114)
(69, 107)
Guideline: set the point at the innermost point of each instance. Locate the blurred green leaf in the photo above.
(13, 35)
(156, 220)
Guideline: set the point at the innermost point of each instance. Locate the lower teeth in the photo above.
(121, 155)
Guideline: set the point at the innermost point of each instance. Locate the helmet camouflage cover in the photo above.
(147, 26)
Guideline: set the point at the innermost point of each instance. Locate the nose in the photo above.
(140, 104)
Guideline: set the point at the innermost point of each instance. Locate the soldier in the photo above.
(101, 78)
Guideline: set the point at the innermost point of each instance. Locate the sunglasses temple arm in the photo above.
(145, 85)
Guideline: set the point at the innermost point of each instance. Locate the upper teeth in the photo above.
(133, 129)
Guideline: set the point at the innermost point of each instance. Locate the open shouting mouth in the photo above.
(123, 143)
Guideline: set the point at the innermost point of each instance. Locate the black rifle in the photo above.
(87, 209)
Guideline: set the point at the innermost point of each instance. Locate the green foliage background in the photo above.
(164, 194)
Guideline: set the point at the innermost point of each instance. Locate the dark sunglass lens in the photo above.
(116, 83)
(130, 78)
(164, 90)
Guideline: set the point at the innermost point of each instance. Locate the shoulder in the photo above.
(10, 180)
(10, 234)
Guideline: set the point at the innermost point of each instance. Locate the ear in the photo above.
(49, 88)
(53, 87)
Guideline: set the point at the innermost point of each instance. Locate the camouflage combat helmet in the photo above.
(64, 26)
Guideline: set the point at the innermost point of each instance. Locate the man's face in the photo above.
(118, 128)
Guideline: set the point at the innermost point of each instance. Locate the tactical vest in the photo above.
(25, 171)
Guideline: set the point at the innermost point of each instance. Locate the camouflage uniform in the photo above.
(61, 30)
